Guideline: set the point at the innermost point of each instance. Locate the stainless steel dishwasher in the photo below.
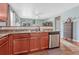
(54, 39)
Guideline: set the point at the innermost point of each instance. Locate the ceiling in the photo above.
(41, 10)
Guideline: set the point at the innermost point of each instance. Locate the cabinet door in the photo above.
(44, 40)
(3, 11)
(21, 45)
(4, 46)
(44, 43)
(34, 44)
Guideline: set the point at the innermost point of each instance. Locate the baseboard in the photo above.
(54, 47)
(75, 40)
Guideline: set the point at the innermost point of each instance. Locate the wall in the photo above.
(74, 13)
(76, 30)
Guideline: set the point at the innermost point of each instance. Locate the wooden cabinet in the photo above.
(34, 42)
(38, 41)
(44, 40)
(3, 11)
(4, 46)
(21, 43)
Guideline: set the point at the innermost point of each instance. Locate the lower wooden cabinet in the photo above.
(4, 46)
(44, 40)
(4, 49)
(21, 45)
(38, 41)
(34, 44)
(44, 43)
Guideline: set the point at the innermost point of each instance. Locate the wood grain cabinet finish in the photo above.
(44, 40)
(23, 43)
(20, 45)
(4, 46)
(34, 42)
(4, 11)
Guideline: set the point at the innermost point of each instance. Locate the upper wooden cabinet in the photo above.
(3, 11)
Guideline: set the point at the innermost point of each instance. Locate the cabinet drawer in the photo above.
(44, 34)
(34, 34)
(21, 36)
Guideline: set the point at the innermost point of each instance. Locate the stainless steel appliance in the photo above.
(54, 39)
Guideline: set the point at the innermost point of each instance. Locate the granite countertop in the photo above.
(16, 32)
(2, 35)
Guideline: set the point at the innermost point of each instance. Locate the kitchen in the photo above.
(26, 34)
